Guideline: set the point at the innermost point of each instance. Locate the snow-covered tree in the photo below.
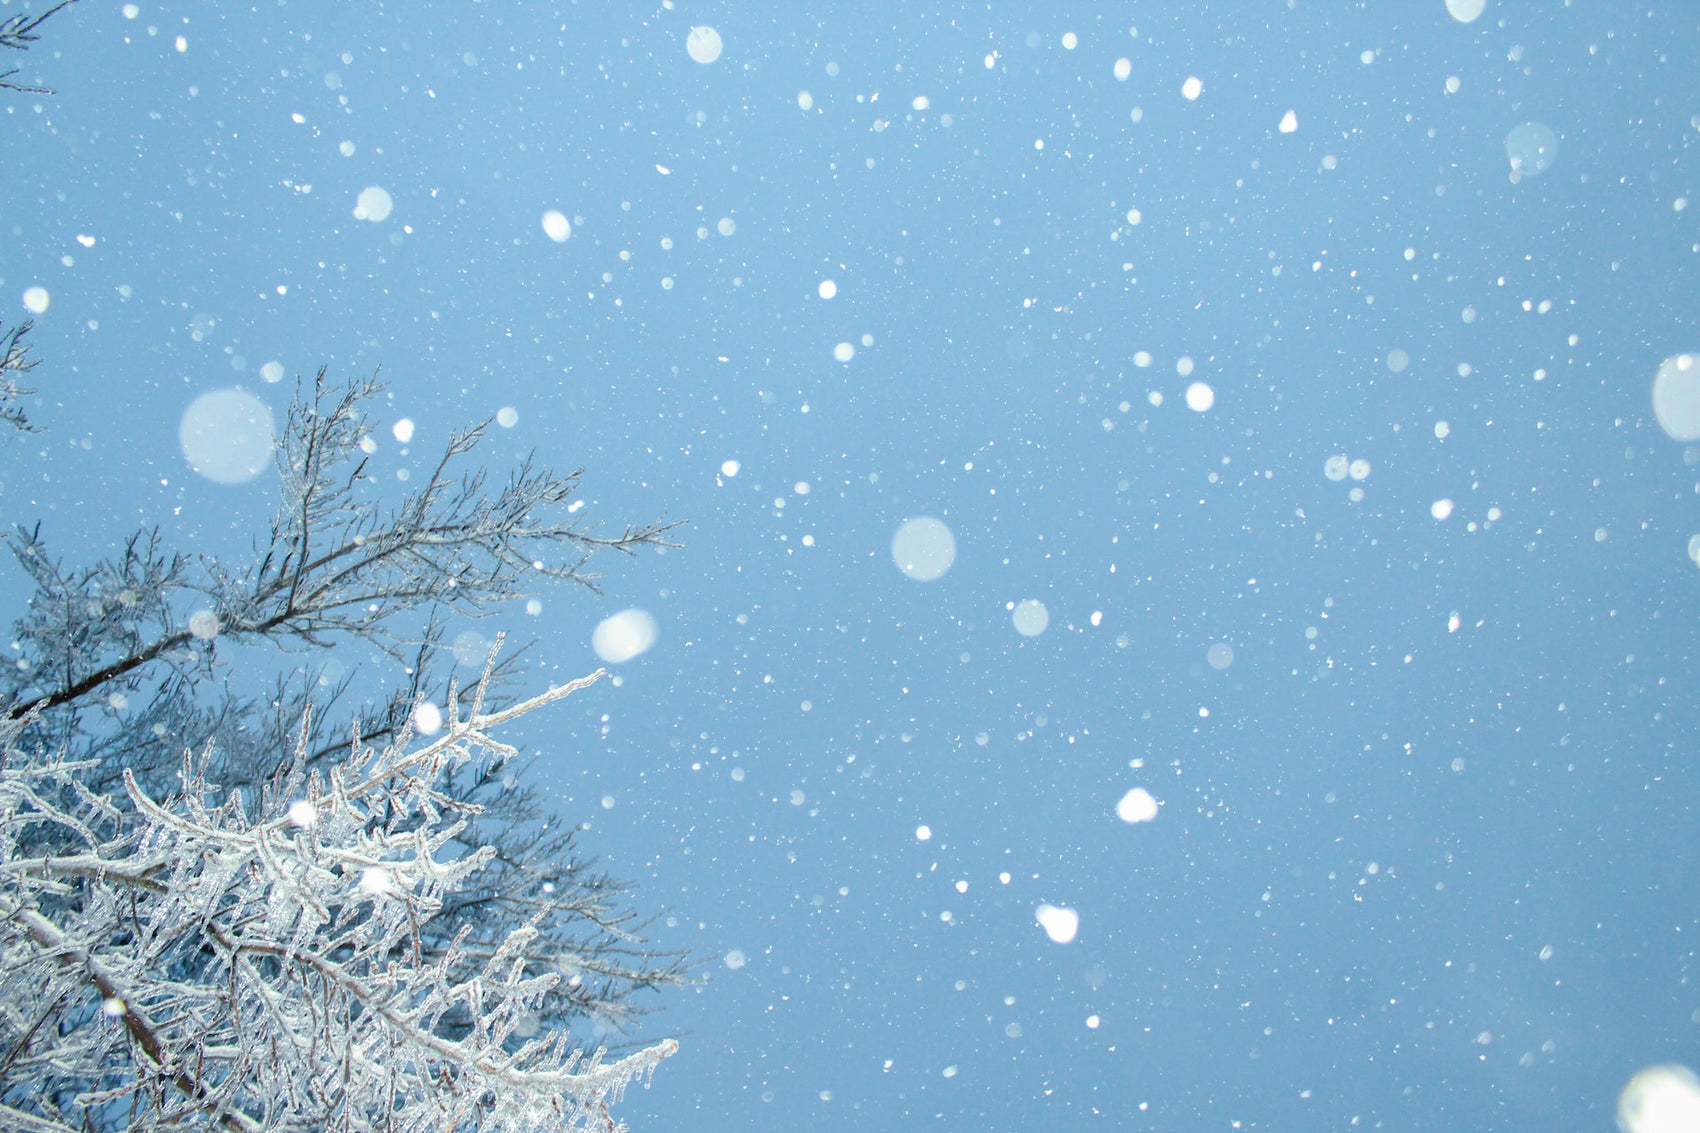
(219, 960)
(426, 915)
(231, 905)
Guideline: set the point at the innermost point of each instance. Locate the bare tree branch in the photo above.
(17, 33)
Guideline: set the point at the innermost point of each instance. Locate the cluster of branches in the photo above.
(221, 965)
(118, 856)
(15, 362)
(214, 912)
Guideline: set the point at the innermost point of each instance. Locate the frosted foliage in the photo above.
(923, 548)
(230, 962)
(227, 436)
(1660, 1099)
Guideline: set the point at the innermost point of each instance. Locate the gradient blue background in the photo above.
(1372, 826)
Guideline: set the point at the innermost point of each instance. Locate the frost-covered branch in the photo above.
(338, 563)
(256, 964)
(16, 34)
(15, 361)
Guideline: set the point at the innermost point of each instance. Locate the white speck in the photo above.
(373, 204)
(923, 548)
(1465, 11)
(427, 718)
(1137, 806)
(1031, 617)
(375, 881)
(227, 436)
(1660, 1099)
(1060, 924)
(704, 44)
(624, 635)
